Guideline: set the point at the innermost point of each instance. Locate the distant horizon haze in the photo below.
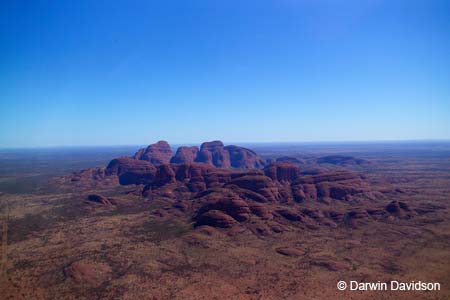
(247, 143)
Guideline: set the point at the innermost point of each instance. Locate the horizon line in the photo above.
(230, 143)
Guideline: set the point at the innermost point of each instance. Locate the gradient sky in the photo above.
(132, 72)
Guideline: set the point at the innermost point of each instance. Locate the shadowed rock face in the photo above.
(185, 155)
(158, 153)
(282, 171)
(216, 218)
(164, 175)
(243, 158)
(213, 153)
(235, 207)
(399, 209)
(192, 170)
(131, 171)
(259, 184)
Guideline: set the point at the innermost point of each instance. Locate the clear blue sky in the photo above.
(132, 72)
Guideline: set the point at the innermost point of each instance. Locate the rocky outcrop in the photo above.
(282, 172)
(213, 153)
(215, 218)
(216, 154)
(260, 210)
(355, 217)
(94, 198)
(89, 174)
(131, 171)
(399, 209)
(236, 208)
(259, 184)
(290, 214)
(164, 175)
(188, 171)
(185, 155)
(243, 158)
(158, 153)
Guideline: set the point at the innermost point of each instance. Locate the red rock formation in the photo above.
(260, 210)
(329, 176)
(237, 208)
(131, 171)
(399, 209)
(355, 217)
(243, 158)
(192, 170)
(219, 190)
(185, 155)
(260, 184)
(290, 214)
(213, 153)
(216, 218)
(282, 172)
(158, 153)
(164, 175)
(89, 174)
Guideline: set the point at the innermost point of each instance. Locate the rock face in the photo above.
(243, 158)
(258, 184)
(282, 171)
(236, 208)
(194, 175)
(185, 155)
(164, 175)
(192, 170)
(131, 171)
(399, 209)
(216, 218)
(89, 174)
(158, 153)
(213, 153)
(216, 154)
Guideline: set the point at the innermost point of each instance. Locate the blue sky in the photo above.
(132, 72)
